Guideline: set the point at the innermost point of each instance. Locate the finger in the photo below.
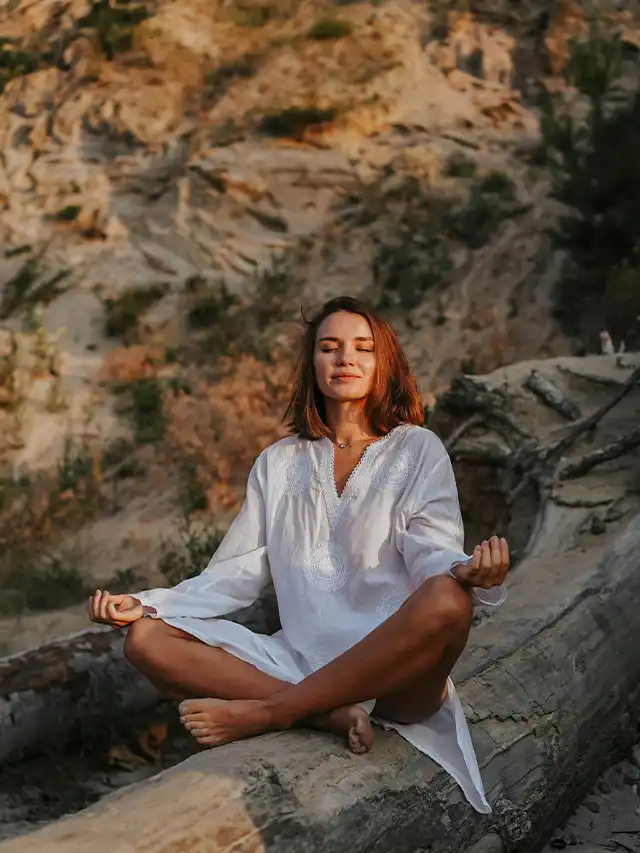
(113, 616)
(482, 577)
(496, 561)
(125, 616)
(496, 553)
(472, 566)
(504, 553)
(103, 606)
(94, 605)
(485, 562)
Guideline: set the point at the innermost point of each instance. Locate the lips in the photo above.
(346, 376)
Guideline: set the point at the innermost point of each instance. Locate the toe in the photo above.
(195, 725)
(190, 718)
(207, 740)
(199, 733)
(187, 707)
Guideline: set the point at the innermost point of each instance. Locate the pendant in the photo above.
(342, 446)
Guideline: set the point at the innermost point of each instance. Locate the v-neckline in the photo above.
(335, 502)
(353, 471)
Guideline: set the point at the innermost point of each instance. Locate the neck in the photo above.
(348, 421)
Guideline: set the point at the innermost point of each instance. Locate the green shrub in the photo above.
(47, 582)
(404, 273)
(497, 183)
(147, 408)
(74, 467)
(188, 557)
(490, 201)
(328, 28)
(122, 313)
(211, 303)
(596, 175)
(217, 81)
(251, 16)
(17, 62)
(293, 122)
(29, 286)
(68, 213)
(460, 166)
(114, 24)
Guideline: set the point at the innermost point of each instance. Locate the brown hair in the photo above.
(394, 397)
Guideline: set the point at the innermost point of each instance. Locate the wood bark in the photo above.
(550, 682)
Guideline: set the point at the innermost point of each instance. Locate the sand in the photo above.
(608, 819)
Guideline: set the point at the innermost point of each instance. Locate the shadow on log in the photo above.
(550, 682)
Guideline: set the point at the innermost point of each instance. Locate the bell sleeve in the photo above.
(432, 539)
(237, 572)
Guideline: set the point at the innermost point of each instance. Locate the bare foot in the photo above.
(352, 721)
(213, 722)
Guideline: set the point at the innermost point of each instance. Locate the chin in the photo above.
(346, 395)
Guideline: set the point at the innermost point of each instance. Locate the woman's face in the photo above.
(344, 357)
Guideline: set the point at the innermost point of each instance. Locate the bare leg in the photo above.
(404, 662)
(181, 667)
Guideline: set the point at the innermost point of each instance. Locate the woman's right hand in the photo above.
(115, 610)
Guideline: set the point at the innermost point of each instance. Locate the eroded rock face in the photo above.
(171, 146)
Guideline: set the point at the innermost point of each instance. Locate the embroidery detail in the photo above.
(395, 472)
(327, 566)
(390, 602)
(335, 503)
(316, 657)
(294, 475)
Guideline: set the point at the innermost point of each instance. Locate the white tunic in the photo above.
(340, 566)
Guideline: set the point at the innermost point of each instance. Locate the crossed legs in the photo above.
(404, 662)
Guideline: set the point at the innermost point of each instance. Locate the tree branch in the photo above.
(552, 396)
(603, 454)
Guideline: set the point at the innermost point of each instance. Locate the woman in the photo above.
(355, 519)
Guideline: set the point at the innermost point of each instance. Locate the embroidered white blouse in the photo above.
(340, 566)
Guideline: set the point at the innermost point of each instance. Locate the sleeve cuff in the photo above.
(492, 597)
(489, 597)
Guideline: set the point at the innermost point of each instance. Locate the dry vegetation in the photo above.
(197, 419)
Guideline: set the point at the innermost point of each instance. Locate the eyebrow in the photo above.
(337, 340)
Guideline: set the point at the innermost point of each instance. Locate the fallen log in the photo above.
(550, 682)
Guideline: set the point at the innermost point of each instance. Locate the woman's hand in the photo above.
(115, 610)
(487, 567)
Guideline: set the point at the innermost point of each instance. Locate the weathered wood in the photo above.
(550, 682)
(44, 692)
(553, 396)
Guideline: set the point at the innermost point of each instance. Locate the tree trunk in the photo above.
(550, 681)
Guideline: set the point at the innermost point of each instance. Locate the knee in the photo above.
(445, 605)
(141, 641)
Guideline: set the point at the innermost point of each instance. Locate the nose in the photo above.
(346, 356)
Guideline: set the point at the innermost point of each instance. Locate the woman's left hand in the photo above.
(487, 567)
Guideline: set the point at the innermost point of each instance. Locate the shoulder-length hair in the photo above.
(394, 397)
